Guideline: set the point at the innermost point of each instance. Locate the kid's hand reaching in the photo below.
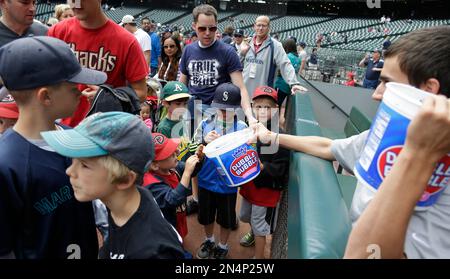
(211, 136)
(191, 162)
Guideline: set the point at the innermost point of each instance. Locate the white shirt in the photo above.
(144, 39)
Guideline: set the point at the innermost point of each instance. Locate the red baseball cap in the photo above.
(8, 108)
(164, 147)
(265, 91)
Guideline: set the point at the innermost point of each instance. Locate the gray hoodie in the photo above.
(262, 62)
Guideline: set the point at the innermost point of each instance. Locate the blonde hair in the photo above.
(117, 171)
(60, 9)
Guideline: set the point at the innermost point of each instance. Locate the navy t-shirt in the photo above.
(146, 235)
(206, 68)
(39, 215)
(373, 75)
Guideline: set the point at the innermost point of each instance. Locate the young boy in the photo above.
(111, 153)
(217, 201)
(8, 113)
(175, 96)
(39, 216)
(163, 180)
(261, 195)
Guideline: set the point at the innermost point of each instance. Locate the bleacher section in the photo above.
(362, 34)
(164, 16)
(242, 21)
(118, 13)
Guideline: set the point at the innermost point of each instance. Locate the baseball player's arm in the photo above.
(140, 87)
(385, 221)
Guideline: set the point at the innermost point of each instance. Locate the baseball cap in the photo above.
(38, 61)
(265, 91)
(175, 90)
(122, 135)
(154, 84)
(227, 95)
(302, 44)
(168, 30)
(239, 32)
(164, 147)
(193, 34)
(8, 108)
(127, 19)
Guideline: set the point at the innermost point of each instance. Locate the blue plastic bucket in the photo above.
(386, 139)
(236, 161)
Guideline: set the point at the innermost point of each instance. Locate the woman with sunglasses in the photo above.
(170, 58)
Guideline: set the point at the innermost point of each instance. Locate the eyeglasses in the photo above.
(170, 46)
(210, 28)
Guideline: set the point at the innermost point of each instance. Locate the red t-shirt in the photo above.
(262, 196)
(110, 49)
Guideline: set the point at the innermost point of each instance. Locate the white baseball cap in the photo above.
(127, 19)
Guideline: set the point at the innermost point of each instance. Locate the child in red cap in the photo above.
(168, 180)
(261, 195)
(9, 113)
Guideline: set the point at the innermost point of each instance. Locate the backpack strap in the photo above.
(272, 67)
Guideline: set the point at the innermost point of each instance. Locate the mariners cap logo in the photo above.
(225, 96)
(159, 139)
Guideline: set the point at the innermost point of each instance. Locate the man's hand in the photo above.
(211, 136)
(429, 131)
(244, 48)
(298, 88)
(262, 134)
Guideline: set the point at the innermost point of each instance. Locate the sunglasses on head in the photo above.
(210, 28)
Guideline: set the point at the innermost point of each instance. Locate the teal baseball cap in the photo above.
(121, 135)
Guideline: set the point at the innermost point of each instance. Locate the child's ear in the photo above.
(165, 103)
(43, 95)
(128, 181)
(154, 166)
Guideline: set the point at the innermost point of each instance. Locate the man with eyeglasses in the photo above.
(238, 39)
(262, 56)
(209, 63)
(204, 66)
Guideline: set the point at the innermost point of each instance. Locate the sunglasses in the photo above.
(237, 36)
(170, 46)
(210, 28)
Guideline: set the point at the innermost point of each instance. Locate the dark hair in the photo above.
(205, 9)
(145, 18)
(420, 66)
(173, 71)
(290, 46)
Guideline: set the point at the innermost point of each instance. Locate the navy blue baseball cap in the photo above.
(34, 62)
(227, 96)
